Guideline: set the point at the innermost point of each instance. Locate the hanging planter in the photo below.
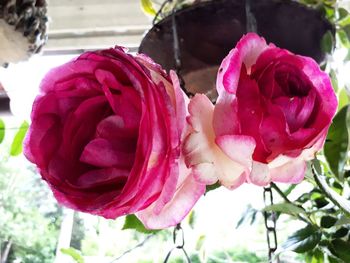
(23, 26)
(207, 32)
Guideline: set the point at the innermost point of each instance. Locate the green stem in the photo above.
(334, 197)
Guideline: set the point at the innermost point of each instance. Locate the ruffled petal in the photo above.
(260, 174)
(246, 52)
(175, 210)
(201, 151)
(291, 172)
(101, 153)
(239, 148)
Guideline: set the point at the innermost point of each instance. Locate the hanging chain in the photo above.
(250, 18)
(179, 243)
(270, 225)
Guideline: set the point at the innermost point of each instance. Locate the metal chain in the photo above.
(270, 225)
(179, 243)
(251, 25)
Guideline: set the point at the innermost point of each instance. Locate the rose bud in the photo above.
(272, 115)
(106, 134)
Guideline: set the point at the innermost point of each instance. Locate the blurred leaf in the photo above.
(200, 242)
(132, 222)
(341, 249)
(327, 42)
(73, 253)
(2, 130)
(148, 8)
(343, 37)
(336, 146)
(303, 240)
(344, 220)
(334, 80)
(321, 202)
(315, 256)
(318, 167)
(341, 232)
(342, 13)
(285, 208)
(249, 213)
(333, 259)
(344, 21)
(328, 221)
(343, 98)
(16, 147)
(192, 219)
(212, 187)
(336, 199)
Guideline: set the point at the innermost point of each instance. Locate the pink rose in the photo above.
(106, 134)
(272, 115)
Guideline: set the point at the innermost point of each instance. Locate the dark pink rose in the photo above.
(272, 115)
(106, 134)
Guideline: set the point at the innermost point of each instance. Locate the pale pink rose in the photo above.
(272, 115)
(106, 134)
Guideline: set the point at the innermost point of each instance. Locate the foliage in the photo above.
(29, 220)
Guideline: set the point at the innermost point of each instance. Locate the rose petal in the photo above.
(174, 211)
(291, 172)
(260, 174)
(239, 148)
(100, 177)
(246, 52)
(101, 153)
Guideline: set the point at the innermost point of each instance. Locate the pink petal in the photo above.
(291, 172)
(181, 102)
(198, 145)
(322, 84)
(246, 52)
(225, 120)
(260, 174)
(205, 173)
(174, 211)
(101, 153)
(107, 176)
(239, 148)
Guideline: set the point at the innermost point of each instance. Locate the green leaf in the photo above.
(333, 259)
(132, 222)
(2, 130)
(16, 146)
(191, 219)
(341, 232)
(73, 253)
(344, 220)
(148, 8)
(303, 240)
(343, 37)
(334, 80)
(327, 42)
(328, 221)
(332, 195)
(342, 13)
(200, 242)
(344, 22)
(249, 213)
(315, 256)
(343, 98)
(336, 146)
(341, 249)
(285, 208)
(212, 187)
